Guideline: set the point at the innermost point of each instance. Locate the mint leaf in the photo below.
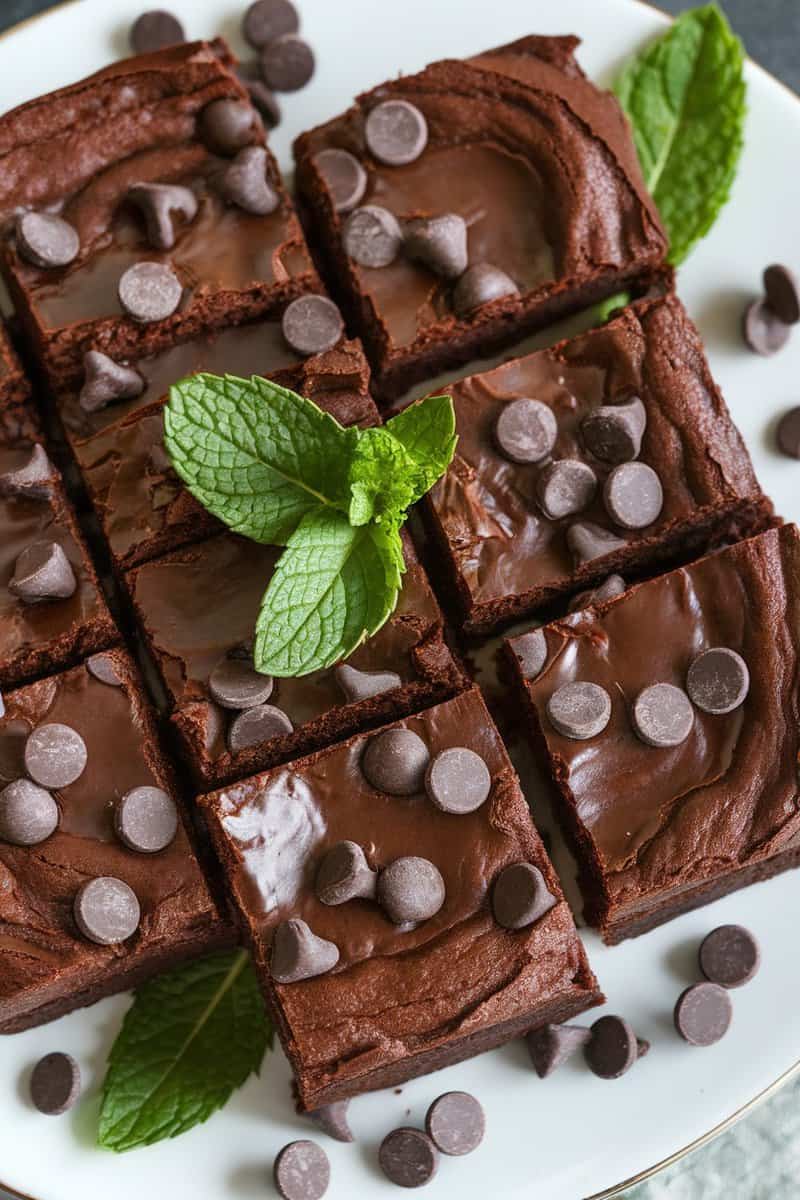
(334, 586)
(383, 479)
(255, 454)
(685, 98)
(190, 1038)
(427, 431)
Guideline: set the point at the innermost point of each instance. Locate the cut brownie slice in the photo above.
(18, 420)
(87, 167)
(605, 454)
(400, 999)
(689, 790)
(198, 608)
(533, 168)
(49, 965)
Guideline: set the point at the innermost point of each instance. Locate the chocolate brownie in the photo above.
(462, 207)
(670, 719)
(18, 420)
(143, 163)
(463, 940)
(75, 828)
(198, 607)
(608, 453)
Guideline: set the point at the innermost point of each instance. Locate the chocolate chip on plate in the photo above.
(55, 1084)
(520, 896)
(609, 589)
(481, 284)
(372, 236)
(256, 725)
(150, 291)
(551, 1046)
(28, 814)
(633, 495)
(261, 97)
(703, 1014)
(579, 710)
(662, 715)
(395, 761)
(157, 202)
(789, 433)
(718, 680)
(344, 874)
(344, 176)
(312, 324)
(782, 293)
(297, 953)
(458, 780)
(47, 241)
(43, 572)
(107, 911)
(612, 1048)
(565, 487)
(228, 125)
(763, 331)
(154, 30)
(456, 1123)
(525, 430)
(266, 20)
(362, 685)
(245, 184)
(302, 1171)
(613, 433)
(531, 652)
(396, 132)
(146, 819)
(408, 1157)
(587, 541)
(287, 63)
(439, 243)
(102, 667)
(410, 889)
(31, 478)
(55, 755)
(235, 683)
(332, 1119)
(106, 382)
(729, 956)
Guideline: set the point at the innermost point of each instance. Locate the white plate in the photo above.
(572, 1136)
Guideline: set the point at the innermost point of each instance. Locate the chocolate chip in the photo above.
(150, 291)
(107, 911)
(729, 956)
(332, 1119)
(106, 382)
(565, 487)
(55, 755)
(362, 685)
(157, 202)
(28, 814)
(531, 651)
(718, 680)
(551, 1046)
(261, 97)
(481, 284)
(297, 953)
(526, 430)
(396, 132)
(662, 715)
(579, 710)
(612, 1048)
(372, 236)
(789, 433)
(410, 889)
(227, 126)
(762, 330)
(154, 30)
(43, 572)
(395, 762)
(587, 541)
(269, 19)
(245, 184)
(32, 478)
(458, 780)
(235, 683)
(783, 295)
(146, 819)
(256, 725)
(344, 874)
(520, 896)
(703, 1014)
(55, 1084)
(614, 432)
(302, 1171)
(408, 1157)
(439, 243)
(344, 176)
(456, 1123)
(633, 495)
(287, 63)
(609, 589)
(312, 325)
(47, 241)
(102, 667)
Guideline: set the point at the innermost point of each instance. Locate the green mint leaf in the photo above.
(255, 454)
(383, 479)
(334, 586)
(685, 98)
(603, 310)
(190, 1038)
(427, 431)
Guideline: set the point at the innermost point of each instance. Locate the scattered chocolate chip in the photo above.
(157, 202)
(612, 1048)
(262, 99)
(28, 814)
(609, 589)
(662, 715)
(579, 710)
(287, 63)
(633, 495)
(789, 433)
(268, 19)
(312, 324)
(410, 889)
(332, 1119)
(43, 572)
(344, 874)
(302, 1171)
(146, 819)
(297, 953)
(703, 1014)
(439, 243)
(235, 683)
(106, 911)
(32, 478)
(395, 762)
(256, 725)
(2, 706)
(154, 30)
(408, 1157)
(227, 126)
(587, 541)
(102, 667)
(55, 755)
(520, 896)
(150, 291)
(396, 132)
(481, 284)
(362, 685)
(782, 293)
(372, 236)
(551, 1046)
(525, 430)
(55, 1084)
(47, 241)
(718, 680)
(531, 651)
(614, 432)
(458, 780)
(762, 330)
(245, 183)
(565, 487)
(729, 956)
(344, 176)
(106, 382)
(456, 1123)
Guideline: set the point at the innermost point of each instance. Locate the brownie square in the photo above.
(400, 1001)
(198, 606)
(49, 966)
(18, 420)
(540, 165)
(78, 151)
(659, 831)
(502, 555)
